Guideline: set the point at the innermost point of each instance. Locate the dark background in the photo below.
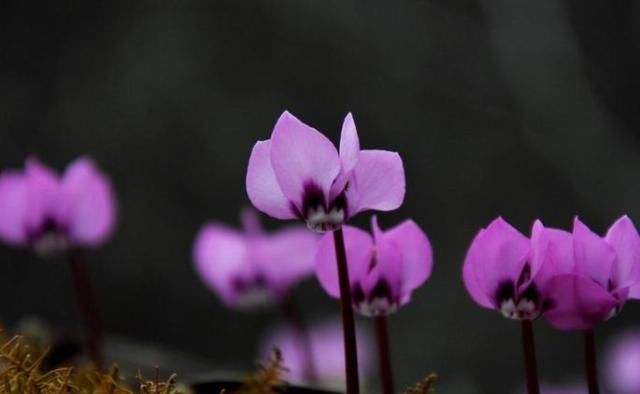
(498, 107)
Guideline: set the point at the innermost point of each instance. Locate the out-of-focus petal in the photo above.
(359, 249)
(262, 185)
(417, 255)
(349, 144)
(594, 257)
(302, 156)
(13, 206)
(220, 254)
(622, 363)
(87, 205)
(634, 292)
(378, 182)
(286, 257)
(624, 239)
(43, 194)
(551, 253)
(577, 303)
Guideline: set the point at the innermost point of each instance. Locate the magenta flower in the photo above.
(384, 269)
(506, 271)
(622, 364)
(321, 359)
(250, 268)
(298, 173)
(604, 271)
(51, 213)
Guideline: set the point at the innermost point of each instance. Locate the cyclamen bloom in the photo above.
(321, 359)
(51, 213)
(605, 270)
(623, 363)
(252, 268)
(506, 271)
(298, 173)
(384, 269)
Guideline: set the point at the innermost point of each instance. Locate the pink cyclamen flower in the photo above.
(384, 269)
(622, 364)
(317, 356)
(604, 271)
(506, 271)
(40, 209)
(298, 173)
(250, 268)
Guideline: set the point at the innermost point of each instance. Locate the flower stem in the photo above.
(384, 355)
(292, 313)
(530, 364)
(86, 304)
(348, 325)
(590, 362)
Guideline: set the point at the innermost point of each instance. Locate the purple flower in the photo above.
(506, 271)
(40, 209)
(252, 268)
(383, 269)
(604, 270)
(622, 364)
(318, 356)
(298, 173)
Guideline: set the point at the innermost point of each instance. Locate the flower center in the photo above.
(379, 302)
(320, 216)
(49, 239)
(524, 306)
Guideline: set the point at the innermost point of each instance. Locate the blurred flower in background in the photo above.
(51, 213)
(383, 269)
(622, 363)
(251, 268)
(317, 356)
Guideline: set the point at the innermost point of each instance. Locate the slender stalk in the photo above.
(348, 325)
(292, 313)
(533, 387)
(591, 362)
(86, 305)
(384, 355)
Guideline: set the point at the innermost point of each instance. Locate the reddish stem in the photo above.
(591, 362)
(348, 325)
(533, 387)
(384, 355)
(86, 304)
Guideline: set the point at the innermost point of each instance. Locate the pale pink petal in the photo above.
(634, 292)
(624, 239)
(301, 158)
(551, 253)
(577, 303)
(377, 183)
(359, 249)
(220, 255)
(474, 284)
(349, 144)
(262, 186)
(13, 207)
(622, 363)
(388, 267)
(87, 206)
(594, 258)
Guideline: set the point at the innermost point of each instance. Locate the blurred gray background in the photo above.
(498, 107)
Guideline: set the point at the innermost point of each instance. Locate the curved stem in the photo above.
(348, 325)
(533, 387)
(86, 304)
(384, 355)
(591, 362)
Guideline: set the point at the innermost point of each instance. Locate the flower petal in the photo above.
(551, 253)
(624, 239)
(13, 207)
(301, 156)
(388, 267)
(220, 255)
(43, 191)
(262, 186)
(378, 182)
(475, 284)
(87, 206)
(349, 144)
(577, 302)
(634, 292)
(359, 249)
(417, 255)
(594, 258)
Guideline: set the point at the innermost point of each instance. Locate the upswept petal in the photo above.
(220, 254)
(43, 189)
(87, 205)
(417, 255)
(301, 155)
(624, 239)
(262, 185)
(388, 267)
(594, 258)
(577, 303)
(474, 284)
(13, 207)
(551, 253)
(634, 292)
(359, 249)
(378, 182)
(349, 144)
